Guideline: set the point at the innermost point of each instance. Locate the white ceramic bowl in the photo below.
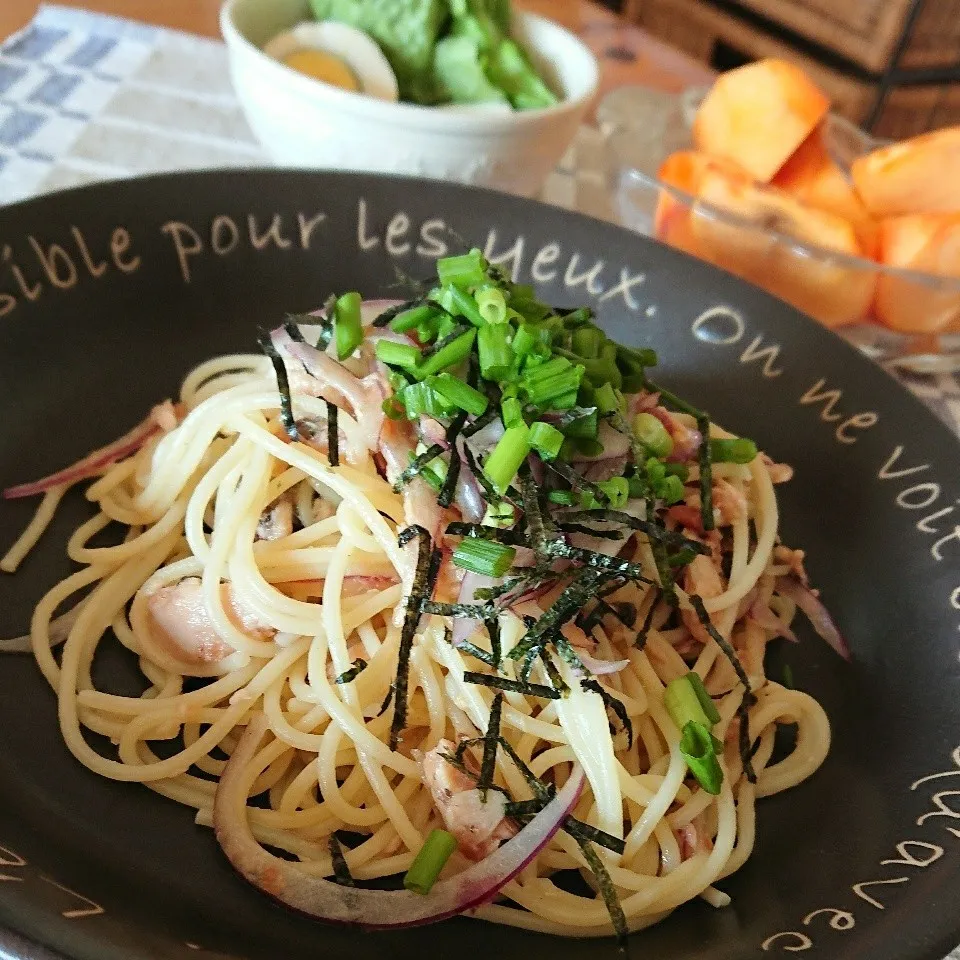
(304, 123)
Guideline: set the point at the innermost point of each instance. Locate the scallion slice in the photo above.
(545, 439)
(431, 859)
(496, 355)
(684, 705)
(737, 450)
(486, 557)
(465, 271)
(347, 327)
(512, 412)
(699, 750)
(447, 356)
(511, 450)
(408, 319)
(492, 304)
(457, 392)
(398, 354)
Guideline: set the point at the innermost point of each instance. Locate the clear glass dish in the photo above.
(921, 311)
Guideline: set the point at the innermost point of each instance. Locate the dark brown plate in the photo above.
(862, 861)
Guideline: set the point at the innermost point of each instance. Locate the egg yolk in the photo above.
(324, 67)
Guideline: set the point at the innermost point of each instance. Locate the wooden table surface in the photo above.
(627, 54)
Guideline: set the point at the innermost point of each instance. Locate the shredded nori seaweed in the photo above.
(410, 621)
(283, 385)
(513, 686)
(556, 681)
(706, 475)
(354, 671)
(484, 420)
(449, 488)
(470, 611)
(386, 701)
(640, 640)
(489, 492)
(490, 742)
(612, 703)
(748, 698)
(480, 531)
(653, 530)
(341, 872)
(596, 561)
(564, 608)
(333, 434)
(607, 890)
(493, 629)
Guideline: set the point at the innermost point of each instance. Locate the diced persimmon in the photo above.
(684, 170)
(833, 293)
(930, 243)
(812, 176)
(914, 176)
(758, 114)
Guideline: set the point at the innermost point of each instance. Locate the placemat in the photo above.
(86, 97)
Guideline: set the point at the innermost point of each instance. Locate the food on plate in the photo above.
(430, 52)
(930, 243)
(762, 158)
(448, 590)
(914, 176)
(832, 291)
(758, 114)
(338, 54)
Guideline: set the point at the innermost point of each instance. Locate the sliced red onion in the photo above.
(464, 628)
(94, 462)
(816, 612)
(764, 617)
(371, 909)
(59, 630)
(599, 667)
(482, 442)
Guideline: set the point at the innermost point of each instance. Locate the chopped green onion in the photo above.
(545, 439)
(447, 356)
(584, 428)
(486, 557)
(512, 412)
(738, 450)
(492, 305)
(699, 750)
(413, 317)
(511, 450)
(398, 354)
(420, 398)
(577, 318)
(679, 470)
(683, 703)
(426, 866)
(459, 393)
(558, 392)
(545, 371)
(463, 305)
(465, 271)
(587, 341)
(652, 434)
(496, 355)
(670, 489)
(501, 515)
(706, 701)
(346, 324)
(617, 491)
(526, 340)
(606, 399)
(566, 498)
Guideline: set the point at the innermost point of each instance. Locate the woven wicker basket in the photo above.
(722, 40)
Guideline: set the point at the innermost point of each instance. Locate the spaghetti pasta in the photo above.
(258, 584)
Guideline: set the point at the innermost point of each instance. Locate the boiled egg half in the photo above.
(336, 54)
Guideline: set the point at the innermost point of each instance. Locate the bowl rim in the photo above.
(942, 283)
(421, 116)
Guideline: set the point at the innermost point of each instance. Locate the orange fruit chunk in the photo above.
(758, 114)
(812, 176)
(832, 292)
(914, 176)
(930, 243)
